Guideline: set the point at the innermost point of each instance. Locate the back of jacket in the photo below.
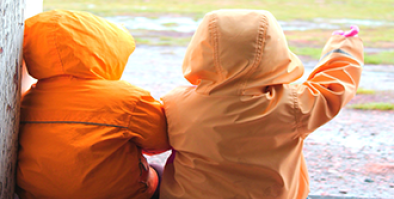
(82, 130)
(239, 131)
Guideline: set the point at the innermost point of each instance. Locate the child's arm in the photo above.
(331, 85)
(149, 126)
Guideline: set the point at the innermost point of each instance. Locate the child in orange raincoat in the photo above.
(239, 131)
(83, 130)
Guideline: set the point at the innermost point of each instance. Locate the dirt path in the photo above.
(353, 155)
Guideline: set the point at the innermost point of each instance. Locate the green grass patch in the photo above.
(382, 33)
(163, 41)
(386, 57)
(170, 25)
(307, 51)
(378, 37)
(175, 41)
(373, 106)
(380, 58)
(362, 91)
(282, 9)
(143, 41)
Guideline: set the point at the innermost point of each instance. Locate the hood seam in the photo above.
(56, 20)
(259, 51)
(214, 35)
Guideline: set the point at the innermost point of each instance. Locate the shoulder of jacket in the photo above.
(178, 91)
(130, 89)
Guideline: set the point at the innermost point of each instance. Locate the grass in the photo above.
(282, 9)
(307, 51)
(386, 57)
(310, 43)
(375, 58)
(170, 25)
(373, 106)
(163, 41)
(384, 34)
(307, 43)
(362, 91)
(378, 37)
(380, 58)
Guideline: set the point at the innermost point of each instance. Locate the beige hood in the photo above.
(239, 59)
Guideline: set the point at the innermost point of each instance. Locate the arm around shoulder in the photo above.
(331, 85)
(148, 124)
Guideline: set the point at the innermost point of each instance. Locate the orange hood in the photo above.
(238, 52)
(75, 43)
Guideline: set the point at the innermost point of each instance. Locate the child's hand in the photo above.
(351, 33)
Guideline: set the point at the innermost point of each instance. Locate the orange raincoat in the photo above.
(239, 131)
(83, 130)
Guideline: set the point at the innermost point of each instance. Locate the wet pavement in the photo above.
(351, 156)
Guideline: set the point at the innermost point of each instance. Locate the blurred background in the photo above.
(351, 156)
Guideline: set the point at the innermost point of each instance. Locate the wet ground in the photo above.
(353, 155)
(187, 24)
(163, 63)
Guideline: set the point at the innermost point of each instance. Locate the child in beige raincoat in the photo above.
(239, 131)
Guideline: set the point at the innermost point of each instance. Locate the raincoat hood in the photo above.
(75, 43)
(239, 52)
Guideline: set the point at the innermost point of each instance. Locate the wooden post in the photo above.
(11, 34)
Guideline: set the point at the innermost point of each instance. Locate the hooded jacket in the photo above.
(239, 130)
(83, 130)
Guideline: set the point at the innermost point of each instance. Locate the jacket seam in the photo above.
(131, 115)
(55, 41)
(71, 122)
(298, 123)
(258, 51)
(214, 34)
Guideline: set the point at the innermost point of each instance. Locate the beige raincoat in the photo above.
(239, 131)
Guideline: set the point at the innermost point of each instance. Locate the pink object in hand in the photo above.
(351, 33)
(338, 32)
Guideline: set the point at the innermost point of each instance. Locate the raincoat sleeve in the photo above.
(331, 85)
(148, 123)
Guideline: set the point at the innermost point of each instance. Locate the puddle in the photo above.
(306, 25)
(376, 50)
(178, 24)
(187, 24)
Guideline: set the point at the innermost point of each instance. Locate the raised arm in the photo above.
(331, 85)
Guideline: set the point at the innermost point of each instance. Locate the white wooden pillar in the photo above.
(11, 41)
(11, 34)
